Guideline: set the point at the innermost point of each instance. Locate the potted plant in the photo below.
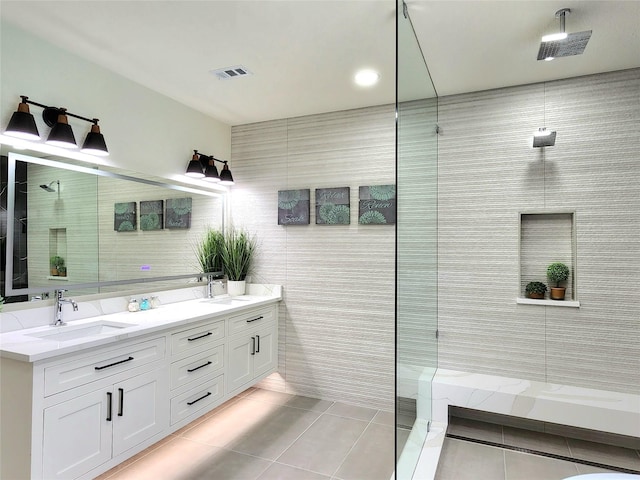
(237, 257)
(54, 263)
(557, 272)
(62, 271)
(209, 251)
(535, 290)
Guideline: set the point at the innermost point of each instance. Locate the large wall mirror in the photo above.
(90, 230)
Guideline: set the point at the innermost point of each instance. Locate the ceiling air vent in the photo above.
(231, 72)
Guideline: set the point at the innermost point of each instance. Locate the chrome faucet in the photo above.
(210, 286)
(60, 300)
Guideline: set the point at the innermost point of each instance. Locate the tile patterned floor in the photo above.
(264, 435)
(462, 460)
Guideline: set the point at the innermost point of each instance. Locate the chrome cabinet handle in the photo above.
(253, 345)
(258, 348)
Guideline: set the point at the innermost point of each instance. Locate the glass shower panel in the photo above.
(416, 242)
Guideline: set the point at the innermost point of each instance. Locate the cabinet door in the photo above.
(266, 356)
(240, 364)
(140, 409)
(76, 435)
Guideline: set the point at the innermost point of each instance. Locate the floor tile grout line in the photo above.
(301, 468)
(351, 449)
(295, 440)
(544, 454)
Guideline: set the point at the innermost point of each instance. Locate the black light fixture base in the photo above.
(50, 115)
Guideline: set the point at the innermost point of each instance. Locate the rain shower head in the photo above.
(544, 138)
(563, 44)
(47, 188)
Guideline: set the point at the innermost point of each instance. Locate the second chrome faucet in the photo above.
(60, 301)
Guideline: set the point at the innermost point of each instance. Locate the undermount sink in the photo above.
(226, 300)
(73, 332)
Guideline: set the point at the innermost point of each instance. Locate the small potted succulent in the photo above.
(535, 290)
(55, 262)
(557, 273)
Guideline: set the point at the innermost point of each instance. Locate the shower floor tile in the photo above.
(473, 450)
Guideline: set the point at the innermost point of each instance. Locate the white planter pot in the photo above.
(235, 288)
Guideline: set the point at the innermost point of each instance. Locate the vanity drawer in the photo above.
(197, 366)
(197, 339)
(107, 362)
(199, 398)
(252, 319)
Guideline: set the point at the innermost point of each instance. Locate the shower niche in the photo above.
(58, 254)
(547, 237)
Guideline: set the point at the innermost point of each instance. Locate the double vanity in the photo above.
(78, 399)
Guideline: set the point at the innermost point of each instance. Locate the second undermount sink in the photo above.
(73, 332)
(227, 300)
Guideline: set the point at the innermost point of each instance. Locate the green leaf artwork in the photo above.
(293, 207)
(333, 206)
(377, 205)
(124, 217)
(178, 213)
(151, 215)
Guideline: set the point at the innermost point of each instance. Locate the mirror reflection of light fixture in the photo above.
(22, 125)
(203, 166)
(544, 138)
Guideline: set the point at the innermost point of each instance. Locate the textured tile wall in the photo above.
(337, 317)
(336, 325)
(72, 211)
(417, 240)
(488, 172)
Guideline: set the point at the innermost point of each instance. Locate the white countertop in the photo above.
(22, 345)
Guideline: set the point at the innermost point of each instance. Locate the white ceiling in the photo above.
(303, 53)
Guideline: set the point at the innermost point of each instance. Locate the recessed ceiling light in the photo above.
(367, 77)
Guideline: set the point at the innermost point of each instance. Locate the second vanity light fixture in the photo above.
(23, 125)
(204, 167)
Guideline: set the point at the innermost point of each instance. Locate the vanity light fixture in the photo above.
(22, 125)
(203, 166)
(544, 138)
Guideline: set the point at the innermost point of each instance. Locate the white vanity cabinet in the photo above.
(253, 347)
(101, 404)
(86, 431)
(77, 413)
